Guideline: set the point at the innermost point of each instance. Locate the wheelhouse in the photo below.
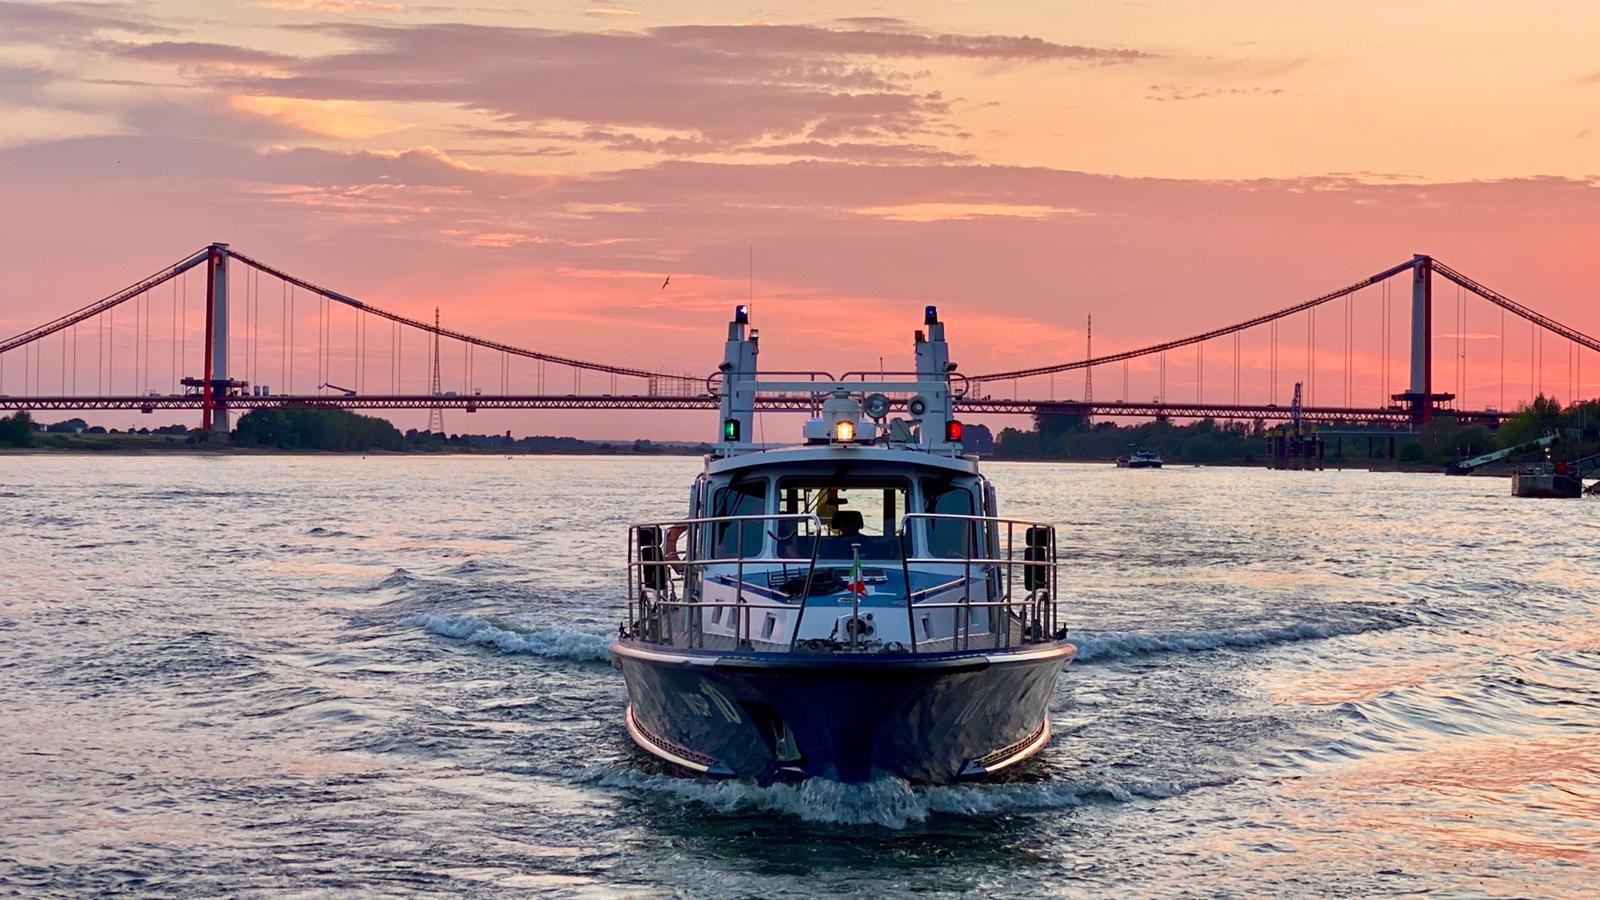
(859, 503)
(844, 550)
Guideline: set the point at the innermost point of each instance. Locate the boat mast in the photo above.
(738, 386)
(933, 382)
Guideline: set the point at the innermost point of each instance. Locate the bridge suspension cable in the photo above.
(1539, 324)
(248, 338)
(107, 303)
(1204, 336)
(337, 297)
(1504, 302)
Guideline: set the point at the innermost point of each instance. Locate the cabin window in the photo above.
(950, 538)
(730, 540)
(851, 510)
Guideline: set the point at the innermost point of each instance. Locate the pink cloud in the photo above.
(862, 39)
(70, 23)
(332, 6)
(718, 87)
(205, 53)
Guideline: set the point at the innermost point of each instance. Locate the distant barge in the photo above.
(1547, 480)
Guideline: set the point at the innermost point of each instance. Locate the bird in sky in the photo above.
(665, 283)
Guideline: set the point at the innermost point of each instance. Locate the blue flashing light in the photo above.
(741, 314)
(930, 315)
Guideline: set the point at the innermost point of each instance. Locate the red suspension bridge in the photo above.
(196, 341)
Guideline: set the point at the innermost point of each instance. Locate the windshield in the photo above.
(852, 510)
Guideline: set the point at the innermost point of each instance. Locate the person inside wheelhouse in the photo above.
(854, 509)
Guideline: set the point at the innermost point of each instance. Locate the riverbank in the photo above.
(1498, 470)
(125, 444)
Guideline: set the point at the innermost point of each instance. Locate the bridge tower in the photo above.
(214, 405)
(1420, 397)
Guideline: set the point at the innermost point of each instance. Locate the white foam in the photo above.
(551, 643)
(1094, 647)
(885, 802)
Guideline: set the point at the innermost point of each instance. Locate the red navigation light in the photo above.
(952, 431)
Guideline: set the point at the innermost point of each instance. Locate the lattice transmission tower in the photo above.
(1088, 371)
(436, 412)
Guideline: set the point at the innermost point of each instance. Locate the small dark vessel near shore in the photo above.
(1144, 459)
(844, 608)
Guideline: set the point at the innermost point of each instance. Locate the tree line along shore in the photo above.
(319, 429)
(1437, 444)
(1053, 437)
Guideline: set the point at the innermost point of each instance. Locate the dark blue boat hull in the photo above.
(930, 718)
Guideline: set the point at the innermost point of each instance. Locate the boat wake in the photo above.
(884, 802)
(549, 643)
(1106, 646)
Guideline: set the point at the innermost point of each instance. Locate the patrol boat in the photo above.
(848, 607)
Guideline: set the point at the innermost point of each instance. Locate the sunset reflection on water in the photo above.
(256, 672)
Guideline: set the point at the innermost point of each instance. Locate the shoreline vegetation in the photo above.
(1053, 438)
(308, 431)
(1431, 448)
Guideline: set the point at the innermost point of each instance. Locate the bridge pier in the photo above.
(214, 411)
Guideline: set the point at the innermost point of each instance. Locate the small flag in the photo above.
(857, 585)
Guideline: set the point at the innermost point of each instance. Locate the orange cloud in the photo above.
(333, 6)
(343, 119)
(502, 240)
(943, 212)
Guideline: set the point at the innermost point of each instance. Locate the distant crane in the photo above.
(343, 390)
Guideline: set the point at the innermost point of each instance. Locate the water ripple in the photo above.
(227, 675)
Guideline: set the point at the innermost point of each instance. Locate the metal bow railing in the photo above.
(1012, 585)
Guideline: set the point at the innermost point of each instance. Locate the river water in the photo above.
(234, 675)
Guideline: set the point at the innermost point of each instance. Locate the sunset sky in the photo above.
(538, 171)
